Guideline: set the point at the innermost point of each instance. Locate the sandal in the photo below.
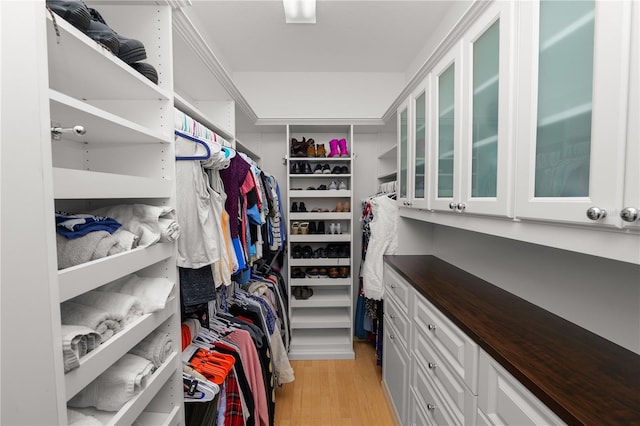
(303, 228)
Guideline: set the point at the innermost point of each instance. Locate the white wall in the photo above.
(319, 95)
(598, 294)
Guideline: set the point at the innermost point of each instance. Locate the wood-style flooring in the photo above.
(335, 392)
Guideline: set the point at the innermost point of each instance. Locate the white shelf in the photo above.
(329, 193)
(134, 407)
(101, 126)
(88, 276)
(98, 360)
(321, 318)
(323, 282)
(158, 419)
(82, 184)
(324, 297)
(319, 175)
(192, 111)
(388, 176)
(313, 343)
(84, 69)
(319, 159)
(389, 154)
(338, 261)
(320, 216)
(319, 238)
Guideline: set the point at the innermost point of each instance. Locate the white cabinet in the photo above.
(502, 400)
(572, 120)
(471, 118)
(404, 152)
(320, 250)
(126, 156)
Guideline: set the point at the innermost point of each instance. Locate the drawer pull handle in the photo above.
(432, 365)
(392, 286)
(431, 326)
(431, 407)
(392, 337)
(392, 316)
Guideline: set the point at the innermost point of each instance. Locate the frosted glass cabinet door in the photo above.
(487, 164)
(419, 147)
(403, 153)
(575, 76)
(445, 82)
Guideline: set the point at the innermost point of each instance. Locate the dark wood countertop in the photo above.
(582, 377)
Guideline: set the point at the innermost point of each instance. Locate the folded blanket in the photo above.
(76, 225)
(104, 323)
(117, 385)
(140, 219)
(94, 245)
(156, 347)
(152, 292)
(77, 341)
(125, 240)
(123, 305)
(76, 418)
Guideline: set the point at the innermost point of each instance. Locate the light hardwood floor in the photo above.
(335, 392)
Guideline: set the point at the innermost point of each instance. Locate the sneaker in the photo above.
(326, 169)
(322, 187)
(333, 185)
(336, 170)
(317, 169)
(306, 169)
(73, 11)
(342, 185)
(344, 170)
(295, 169)
(296, 252)
(103, 35)
(146, 70)
(129, 50)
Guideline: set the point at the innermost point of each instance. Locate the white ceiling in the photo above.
(349, 36)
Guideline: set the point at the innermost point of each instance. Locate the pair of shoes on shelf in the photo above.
(298, 207)
(316, 228)
(300, 148)
(300, 228)
(336, 185)
(315, 272)
(338, 251)
(302, 292)
(340, 170)
(314, 150)
(302, 252)
(299, 168)
(338, 148)
(335, 229)
(339, 272)
(342, 207)
(297, 273)
(321, 169)
(90, 22)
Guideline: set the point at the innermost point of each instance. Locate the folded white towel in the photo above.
(76, 418)
(124, 305)
(125, 240)
(117, 385)
(152, 292)
(106, 324)
(170, 230)
(156, 347)
(94, 245)
(77, 341)
(140, 219)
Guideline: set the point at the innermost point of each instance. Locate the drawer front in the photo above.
(456, 349)
(417, 415)
(454, 391)
(428, 397)
(395, 373)
(504, 400)
(394, 317)
(397, 289)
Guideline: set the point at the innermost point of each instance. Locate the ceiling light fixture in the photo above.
(300, 11)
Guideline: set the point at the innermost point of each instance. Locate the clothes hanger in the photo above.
(196, 140)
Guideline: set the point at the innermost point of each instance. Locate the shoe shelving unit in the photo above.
(125, 156)
(321, 325)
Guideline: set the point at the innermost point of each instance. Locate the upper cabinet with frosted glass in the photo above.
(404, 175)
(572, 110)
(471, 123)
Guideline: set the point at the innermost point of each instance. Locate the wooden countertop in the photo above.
(582, 377)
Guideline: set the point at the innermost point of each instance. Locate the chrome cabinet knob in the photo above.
(431, 407)
(432, 365)
(630, 214)
(392, 316)
(460, 207)
(596, 213)
(393, 286)
(391, 336)
(431, 326)
(452, 205)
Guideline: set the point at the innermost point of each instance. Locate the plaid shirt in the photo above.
(233, 414)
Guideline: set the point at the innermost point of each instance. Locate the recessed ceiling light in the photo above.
(300, 11)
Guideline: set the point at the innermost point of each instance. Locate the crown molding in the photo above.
(319, 121)
(452, 37)
(187, 31)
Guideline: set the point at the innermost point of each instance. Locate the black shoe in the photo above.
(344, 170)
(73, 11)
(294, 207)
(326, 169)
(147, 70)
(295, 169)
(302, 208)
(129, 50)
(307, 252)
(296, 252)
(320, 228)
(104, 35)
(317, 170)
(312, 228)
(336, 170)
(297, 273)
(306, 169)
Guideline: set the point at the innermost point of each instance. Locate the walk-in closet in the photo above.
(319, 212)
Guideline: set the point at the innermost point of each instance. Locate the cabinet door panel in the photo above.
(419, 147)
(403, 153)
(395, 371)
(573, 117)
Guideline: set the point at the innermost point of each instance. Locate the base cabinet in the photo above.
(395, 371)
(502, 400)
